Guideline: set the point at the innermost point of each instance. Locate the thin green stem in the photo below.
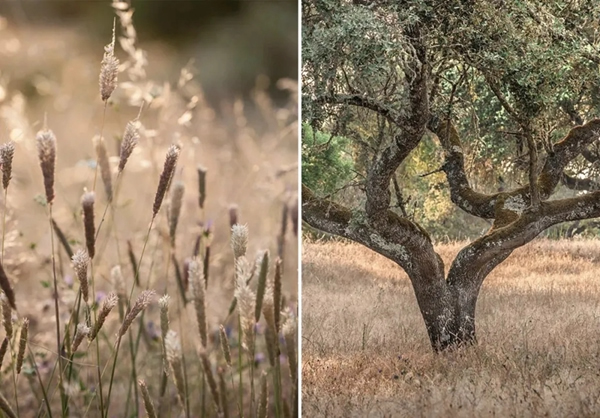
(75, 315)
(112, 374)
(100, 390)
(233, 390)
(46, 401)
(251, 370)
(241, 388)
(59, 351)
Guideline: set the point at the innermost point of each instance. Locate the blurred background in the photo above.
(230, 41)
(218, 78)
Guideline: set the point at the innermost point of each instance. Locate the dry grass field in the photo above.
(50, 76)
(365, 351)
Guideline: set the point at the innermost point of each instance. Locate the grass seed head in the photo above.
(140, 304)
(263, 261)
(246, 305)
(81, 261)
(177, 192)
(199, 297)
(225, 345)
(165, 177)
(81, 332)
(7, 288)
(3, 349)
(110, 301)
(148, 405)
(6, 315)
(109, 68)
(7, 152)
(174, 356)
(46, 145)
(22, 344)
(104, 164)
(201, 185)
(239, 240)
(130, 139)
(118, 282)
(87, 203)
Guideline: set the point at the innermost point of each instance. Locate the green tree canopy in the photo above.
(511, 76)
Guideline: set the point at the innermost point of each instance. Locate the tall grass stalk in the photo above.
(56, 311)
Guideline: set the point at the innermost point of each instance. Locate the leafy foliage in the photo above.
(499, 70)
(326, 164)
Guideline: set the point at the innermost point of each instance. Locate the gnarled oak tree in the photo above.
(521, 77)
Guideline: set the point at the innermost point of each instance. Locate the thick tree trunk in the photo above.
(449, 313)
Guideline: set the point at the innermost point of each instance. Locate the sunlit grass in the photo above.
(365, 350)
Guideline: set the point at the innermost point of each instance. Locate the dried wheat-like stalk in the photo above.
(233, 215)
(109, 303)
(197, 288)
(133, 262)
(163, 303)
(223, 393)
(225, 345)
(140, 304)
(46, 145)
(102, 155)
(176, 201)
(268, 309)
(7, 152)
(6, 315)
(109, 69)
(272, 346)
(6, 287)
(81, 261)
(174, 356)
(87, 203)
(186, 273)
(130, 140)
(165, 177)
(239, 240)
(81, 332)
(148, 405)
(289, 334)
(262, 284)
(3, 349)
(263, 399)
(201, 185)
(245, 300)
(22, 344)
(244, 269)
(277, 295)
(212, 383)
(6, 408)
(118, 282)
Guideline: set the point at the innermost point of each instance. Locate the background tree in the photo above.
(499, 97)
